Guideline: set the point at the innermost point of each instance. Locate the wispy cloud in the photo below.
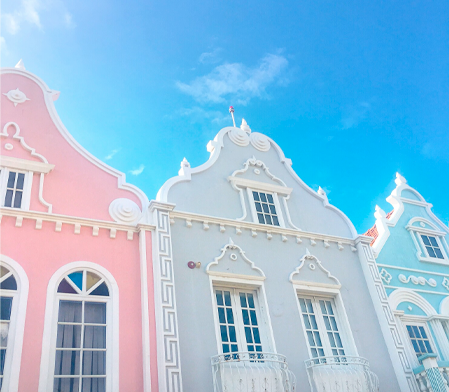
(236, 81)
(138, 171)
(68, 20)
(111, 155)
(198, 114)
(355, 115)
(28, 11)
(210, 57)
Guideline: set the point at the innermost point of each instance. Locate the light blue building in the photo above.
(412, 255)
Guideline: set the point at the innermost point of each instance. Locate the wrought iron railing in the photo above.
(341, 373)
(252, 372)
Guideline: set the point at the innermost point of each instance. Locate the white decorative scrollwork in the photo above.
(417, 280)
(124, 211)
(445, 283)
(260, 141)
(239, 137)
(386, 277)
(16, 96)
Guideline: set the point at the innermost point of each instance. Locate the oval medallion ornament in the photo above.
(239, 137)
(16, 96)
(260, 141)
(124, 211)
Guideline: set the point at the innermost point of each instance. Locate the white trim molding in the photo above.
(23, 164)
(50, 326)
(168, 351)
(17, 327)
(408, 295)
(397, 201)
(230, 247)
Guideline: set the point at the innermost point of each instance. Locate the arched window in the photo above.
(81, 359)
(8, 292)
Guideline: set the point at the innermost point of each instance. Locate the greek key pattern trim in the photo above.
(172, 364)
(382, 294)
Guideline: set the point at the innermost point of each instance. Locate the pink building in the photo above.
(76, 285)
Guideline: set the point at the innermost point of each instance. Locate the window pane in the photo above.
(94, 337)
(230, 316)
(256, 335)
(219, 295)
(2, 360)
(66, 385)
(425, 240)
(18, 199)
(94, 362)
(438, 253)
(243, 300)
(221, 316)
(95, 312)
(306, 321)
(430, 251)
(8, 198)
(245, 317)
(9, 284)
(258, 207)
(224, 333)
(65, 287)
(260, 218)
(268, 219)
(101, 290)
(20, 179)
(11, 179)
(251, 301)
(422, 332)
(270, 198)
(91, 280)
(77, 278)
(70, 311)
(256, 196)
(263, 197)
(248, 335)
(429, 349)
(272, 209)
(433, 241)
(232, 335)
(4, 331)
(265, 208)
(227, 296)
(67, 362)
(69, 336)
(253, 317)
(97, 384)
(410, 331)
(5, 308)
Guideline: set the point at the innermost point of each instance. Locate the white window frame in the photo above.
(13, 357)
(440, 245)
(26, 193)
(263, 315)
(421, 251)
(426, 329)
(344, 327)
(252, 203)
(51, 324)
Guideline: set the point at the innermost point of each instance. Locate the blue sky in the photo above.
(352, 91)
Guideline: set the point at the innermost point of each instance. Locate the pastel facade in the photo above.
(76, 286)
(268, 287)
(412, 256)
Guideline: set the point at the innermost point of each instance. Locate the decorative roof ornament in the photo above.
(16, 96)
(185, 167)
(20, 65)
(380, 213)
(231, 110)
(322, 192)
(400, 180)
(245, 127)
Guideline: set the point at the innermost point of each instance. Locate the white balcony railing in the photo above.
(432, 375)
(341, 373)
(252, 372)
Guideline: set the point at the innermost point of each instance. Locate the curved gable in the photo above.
(242, 161)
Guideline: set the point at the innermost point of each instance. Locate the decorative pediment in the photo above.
(311, 272)
(23, 156)
(255, 174)
(233, 262)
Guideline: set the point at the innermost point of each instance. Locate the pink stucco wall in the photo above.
(76, 187)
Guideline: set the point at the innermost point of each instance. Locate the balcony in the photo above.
(432, 375)
(341, 373)
(252, 372)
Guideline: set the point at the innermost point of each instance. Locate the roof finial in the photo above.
(20, 65)
(400, 179)
(231, 110)
(245, 127)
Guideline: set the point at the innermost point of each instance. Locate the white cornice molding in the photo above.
(257, 227)
(397, 201)
(49, 96)
(262, 186)
(215, 146)
(24, 164)
(71, 220)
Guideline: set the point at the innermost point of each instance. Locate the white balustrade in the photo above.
(252, 372)
(341, 373)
